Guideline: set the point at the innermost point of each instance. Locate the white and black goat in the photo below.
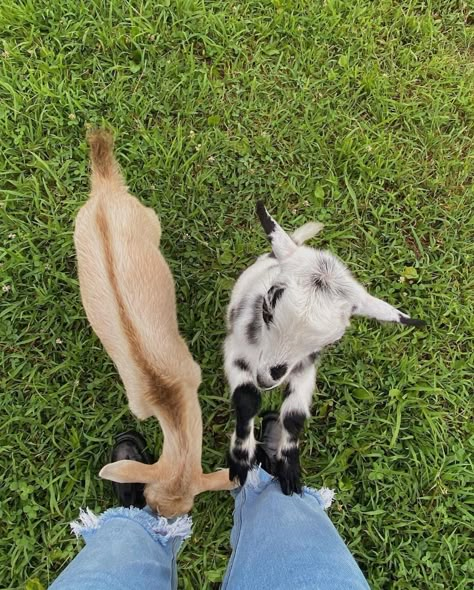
(284, 310)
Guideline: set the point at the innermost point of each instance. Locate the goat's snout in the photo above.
(272, 379)
(263, 383)
(278, 371)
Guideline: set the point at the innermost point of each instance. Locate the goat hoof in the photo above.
(239, 468)
(289, 477)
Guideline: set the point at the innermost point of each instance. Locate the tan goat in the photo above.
(128, 293)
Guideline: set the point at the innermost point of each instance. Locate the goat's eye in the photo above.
(266, 313)
(274, 294)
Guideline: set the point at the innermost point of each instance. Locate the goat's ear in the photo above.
(129, 472)
(282, 245)
(371, 307)
(219, 480)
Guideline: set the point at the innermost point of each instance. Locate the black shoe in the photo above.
(269, 438)
(130, 445)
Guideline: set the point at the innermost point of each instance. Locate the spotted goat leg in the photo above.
(294, 411)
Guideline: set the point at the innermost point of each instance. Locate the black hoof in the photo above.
(288, 474)
(239, 468)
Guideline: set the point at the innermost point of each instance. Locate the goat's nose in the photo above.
(278, 371)
(262, 383)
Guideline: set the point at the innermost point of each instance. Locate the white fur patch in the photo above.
(306, 232)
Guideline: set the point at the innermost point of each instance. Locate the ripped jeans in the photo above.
(277, 542)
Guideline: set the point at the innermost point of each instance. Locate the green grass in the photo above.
(356, 113)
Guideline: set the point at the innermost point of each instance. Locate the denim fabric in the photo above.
(125, 549)
(287, 542)
(278, 542)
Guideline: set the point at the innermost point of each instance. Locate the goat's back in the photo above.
(128, 293)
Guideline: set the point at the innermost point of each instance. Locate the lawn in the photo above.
(356, 113)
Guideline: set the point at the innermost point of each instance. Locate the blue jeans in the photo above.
(277, 542)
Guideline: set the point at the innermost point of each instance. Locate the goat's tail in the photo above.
(105, 169)
(306, 231)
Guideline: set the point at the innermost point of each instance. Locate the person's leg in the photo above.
(281, 542)
(126, 547)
